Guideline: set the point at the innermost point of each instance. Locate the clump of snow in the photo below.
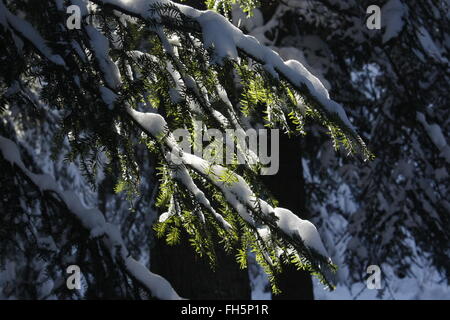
(436, 135)
(161, 288)
(108, 96)
(151, 122)
(100, 46)
(392, 12)
(217, 33)
(314, 63)
(293, 225)
(164, 216)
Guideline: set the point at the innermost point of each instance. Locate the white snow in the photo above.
(316, 64)
(183, 175)
(436, 135)
(219, 33)
(151, 122)
(108, 96)
(237, 193)
(160, 287)
(227, 39)
(100, 46)
(293, 225)
(26, 30)
(429, 46)
(422, 285)
(164, 216)
(392, 18)
(94, 221)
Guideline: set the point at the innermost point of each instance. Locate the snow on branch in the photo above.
(100, 46)
(436, 135)
(301, 233)
(93, 220)
(26, 31)
(218, 33)
(227, 40)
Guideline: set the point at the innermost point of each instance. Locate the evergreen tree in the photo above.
(110, 94)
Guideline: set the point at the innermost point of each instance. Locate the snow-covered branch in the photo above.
(279, 221)
(24, 30)
(93, 220)
(227, 40)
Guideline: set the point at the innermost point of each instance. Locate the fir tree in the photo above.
(112, 93)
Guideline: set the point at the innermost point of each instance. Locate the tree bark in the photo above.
(287, 186)
(192, 276)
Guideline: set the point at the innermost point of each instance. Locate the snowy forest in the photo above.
(224, 149)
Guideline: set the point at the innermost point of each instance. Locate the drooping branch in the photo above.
(299, 233)
(93, 221)
(227, 41)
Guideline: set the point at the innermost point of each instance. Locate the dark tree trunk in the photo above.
(287, 186)
(192, 276)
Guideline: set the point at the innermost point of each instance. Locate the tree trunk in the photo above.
(287, 186)
(192, 276)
